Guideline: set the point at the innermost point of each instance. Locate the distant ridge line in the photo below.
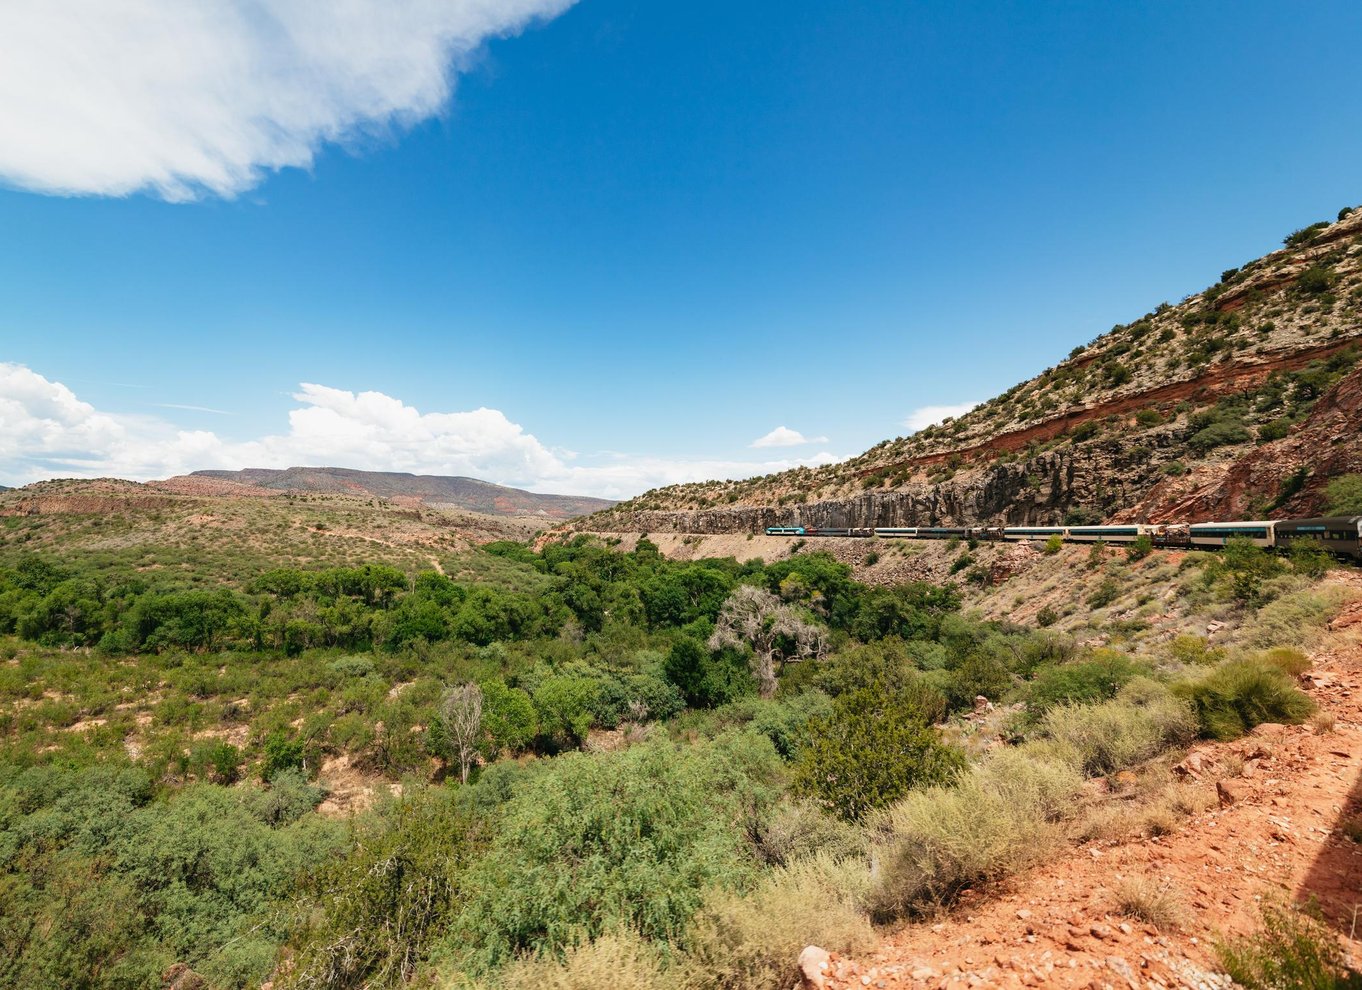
(470, 494)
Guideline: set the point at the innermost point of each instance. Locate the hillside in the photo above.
(468, 494)
(1232, 402)
(234, 531)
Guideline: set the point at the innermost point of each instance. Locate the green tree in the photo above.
(508, 718)
(872, 749)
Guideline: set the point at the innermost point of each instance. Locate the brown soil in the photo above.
(1275, 836)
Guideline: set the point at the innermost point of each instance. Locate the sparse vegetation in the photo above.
(1292, 952)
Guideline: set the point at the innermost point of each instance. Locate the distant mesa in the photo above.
(468, 494)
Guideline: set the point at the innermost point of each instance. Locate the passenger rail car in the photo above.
(1339, 535)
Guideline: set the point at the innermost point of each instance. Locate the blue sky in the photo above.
(637, 237)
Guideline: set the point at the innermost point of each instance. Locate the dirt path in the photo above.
(1275, 836)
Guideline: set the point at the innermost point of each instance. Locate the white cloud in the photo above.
(181, 98)
(783, 436)
(46, 431)
(925, 416)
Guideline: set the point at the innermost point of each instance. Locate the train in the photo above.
(1339, 535)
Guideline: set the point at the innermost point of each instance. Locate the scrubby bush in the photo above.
(1240, 694)
(281, 753)
(1290, 660)
(1001, 817)
(1344, 495)
(1083, 682)
(1297, 617)
(614, 961)
(1053, 544)
(1140, 549)
(1188, 648)
(370, 918)
(752, 941)
(1140, 722)
(1105, 593)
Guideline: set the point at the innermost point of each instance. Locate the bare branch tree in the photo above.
(754, 617)
(461, 713)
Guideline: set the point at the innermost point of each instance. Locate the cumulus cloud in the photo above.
(783, 436)
(182, 99)
(925, 416)
(46, 431)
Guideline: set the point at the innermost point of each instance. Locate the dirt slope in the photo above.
(1273, 834)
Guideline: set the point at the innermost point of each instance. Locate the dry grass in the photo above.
(1288, 659)
(1323, 722)
(1141, 722)
(1000, 818)
(1152, 902)
(1157, 805)
(752, 941)
(619, 961)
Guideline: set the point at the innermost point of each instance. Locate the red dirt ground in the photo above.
(1279, 839)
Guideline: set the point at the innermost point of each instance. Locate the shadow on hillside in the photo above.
(1334, 882)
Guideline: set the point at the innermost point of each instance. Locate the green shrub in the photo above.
(1148, 417)
(1240, 694)
(564, 705)
(1140, 549)
(370, 918)
(1191, 649)
(1053, 544)
(1292, 951)
(1086, 681)
(1275, 430)
(591, 844)
(1344, 495)
(509, 720)
(281, 753)
(1315, 280)
(1046, 617)
(1309, 558)
(1106, 592)
(1297, 617)
(1218, 433)
(871, 749)
(1140, 722)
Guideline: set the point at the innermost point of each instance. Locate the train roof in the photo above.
(1322, 521)
(1236, 522)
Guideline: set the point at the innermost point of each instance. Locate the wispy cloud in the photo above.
(47, 431)
(202, 409)
(925, 416)
(783, 436)
(182, 99)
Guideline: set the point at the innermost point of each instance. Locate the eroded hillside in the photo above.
(1235, 401)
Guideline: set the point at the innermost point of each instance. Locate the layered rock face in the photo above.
(1044, 489)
